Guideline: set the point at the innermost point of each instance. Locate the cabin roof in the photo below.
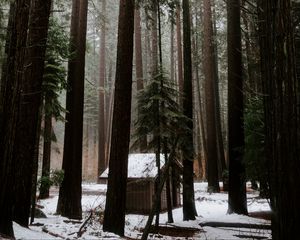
(141, 165)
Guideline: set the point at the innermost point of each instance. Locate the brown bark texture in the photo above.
(114, 214)
(237, 200)
(69, 202)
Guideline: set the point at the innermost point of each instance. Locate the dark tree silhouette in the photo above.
(69, 202)
(114, 214)
(281, 103)
(102, 164)
(237, 200)
(210, 85)
(189, 209)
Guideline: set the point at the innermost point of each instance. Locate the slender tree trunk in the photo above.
(69, 201)
(139, 66)
(179, 49)
(114, 214)
(35, 169)
(168, 186)
(172, 60)
(237, 199)
(221, 153)
(102, 124)
(109, 122)
(189, 209)
(209, 73)
(157, 195)
(44, 188)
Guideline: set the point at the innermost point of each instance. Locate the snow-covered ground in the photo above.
(210, 208)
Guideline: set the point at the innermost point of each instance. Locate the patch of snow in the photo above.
(140, 165)
(210, 207)
(25, 233)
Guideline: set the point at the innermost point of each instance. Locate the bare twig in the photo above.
(82, 228)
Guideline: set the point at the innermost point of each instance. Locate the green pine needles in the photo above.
(55, 82)
(255, 161)
(159, 114)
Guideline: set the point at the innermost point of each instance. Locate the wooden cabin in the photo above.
(142, 173)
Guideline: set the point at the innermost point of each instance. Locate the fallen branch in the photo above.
(72, 221)
(235, 225)
(81, 229)
(45, 230)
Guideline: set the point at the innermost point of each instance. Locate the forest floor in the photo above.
(212, 222)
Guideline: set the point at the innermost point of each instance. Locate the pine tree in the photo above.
(53, 83)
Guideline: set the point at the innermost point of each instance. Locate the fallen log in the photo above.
(235, 225)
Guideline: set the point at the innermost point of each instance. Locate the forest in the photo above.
(149, 119)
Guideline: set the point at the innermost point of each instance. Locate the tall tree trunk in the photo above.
(35, 169)
(189, 209)
(209, 73)
(139, 66)
(237, 199)
(10, 94)
(179, 49)
(281, 102)
(114, 214)
(44, 188)
(172, 60)
(168, 185)
(102, 124)
(69, 201)
(221, 153)
(202, 133)
(29, 110)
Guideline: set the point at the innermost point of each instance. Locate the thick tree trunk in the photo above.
(29, 111)
(10, 94)
(102, 125)
(69, 202)
(237, 200)
(281, 102)
(189, 209)
(114, 214)
(209, 73)
(139, 66)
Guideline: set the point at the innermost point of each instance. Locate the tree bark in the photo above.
(69, 202)
(114, 214)
(189, 209)
(139, 66)
(281, 103)
(221, 153)
(10, 94)
(29, 110)
(44, 188)
(209, 73)
(179, 49)
(102, 125)
(237, 199)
